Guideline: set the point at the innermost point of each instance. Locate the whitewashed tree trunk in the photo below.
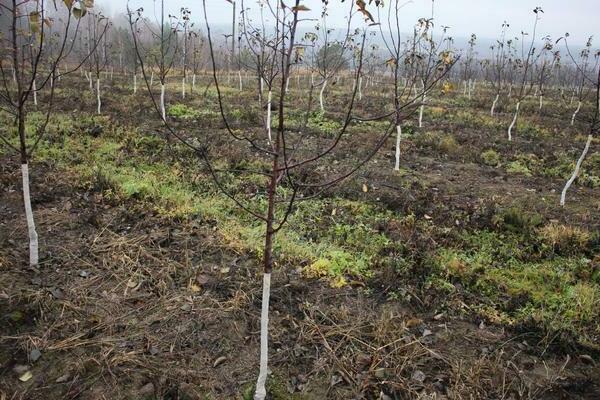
(541, 101)
(183, 88)
(261, 390)
(287, 84)
(163, 110)
(98, 94)
(575, 113)
(134, 83)
(470, 89)
(241, 80)
(34, 88)
(398, 138)
(514, 121)
(33, 236)
(572, 98)
(321, 95)
(494, 104)
(269, 98)
(510, 91)
(576, 171)
(193, 82)
(152, 79)
(51, 81)
(421, 109)
(360, 87)
(89, 75)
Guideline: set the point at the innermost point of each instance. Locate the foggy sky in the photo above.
(482, 17)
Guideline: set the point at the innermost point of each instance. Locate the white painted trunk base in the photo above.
(261, 390)
(514, 121)
(35, 93)
(575, 113)
(398, 138)
(163, 111)
(494, 105)
(33, 236)
(360, 88)
(269, 99)
(576, 171)
(321, 95)
(98, 95)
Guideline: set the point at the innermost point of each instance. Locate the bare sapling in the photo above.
(34, 60)
(525, 65)
(594, 125)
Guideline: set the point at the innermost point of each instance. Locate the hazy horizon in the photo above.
(464, 17)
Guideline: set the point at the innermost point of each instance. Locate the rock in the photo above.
(363, 361)
(20, 369)
(418, 376)
(63, 378)
(147, 389)
(34, 355)
(57, 293)
(186, 307)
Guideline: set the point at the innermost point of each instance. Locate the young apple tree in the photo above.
(34, 60)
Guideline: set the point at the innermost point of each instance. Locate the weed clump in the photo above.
(490, 158)
(565, 239)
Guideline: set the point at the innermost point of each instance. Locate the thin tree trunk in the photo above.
(163, 111)
(360, 88)
(33, 236)
(98, 94)
(494, 104)
(398, 137)
(575, 113)
(241, 80)
(35, 102)
(421, 109)
(261, 390)
(514, 121)
(193, 82)
(576, 171)
(321, 95)
(134, 83)
(269, 98)
(183, 87)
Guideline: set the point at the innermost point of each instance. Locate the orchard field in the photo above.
(457, 275)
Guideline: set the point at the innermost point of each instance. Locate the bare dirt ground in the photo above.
(129, 304)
